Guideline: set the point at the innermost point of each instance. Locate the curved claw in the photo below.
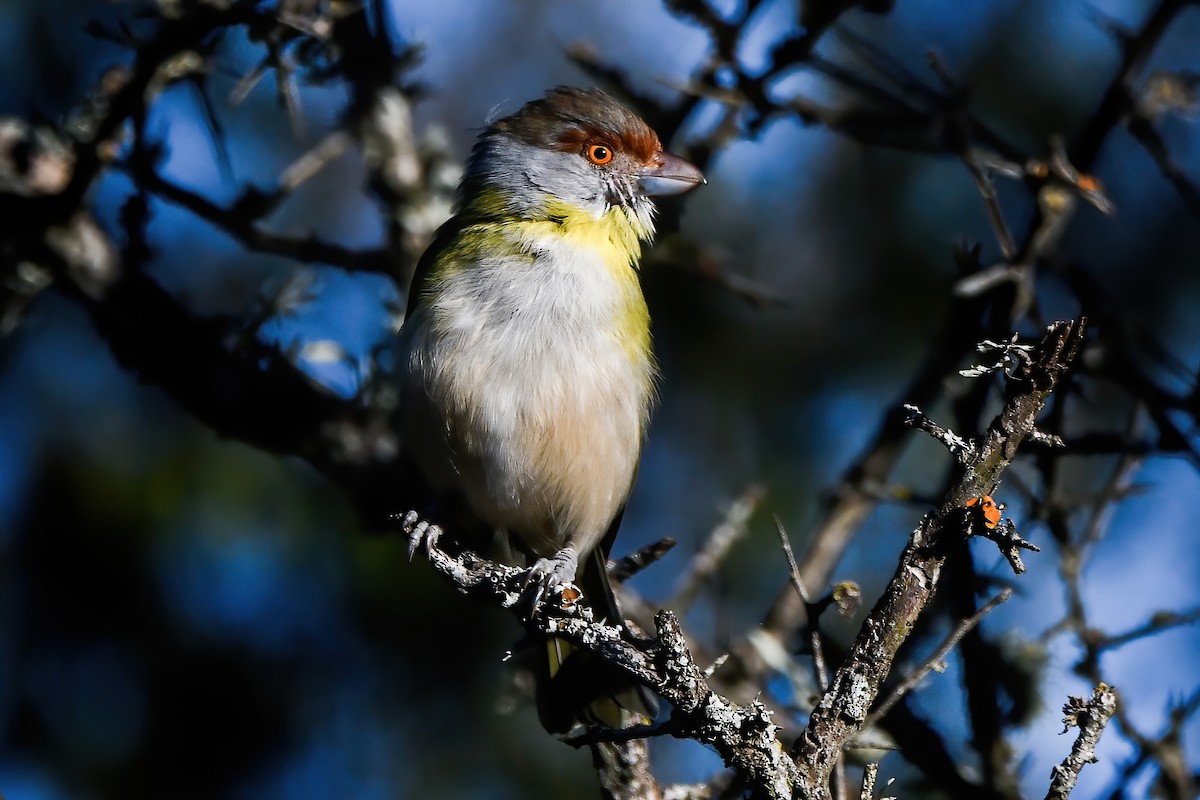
(546, 575)
(419, 531)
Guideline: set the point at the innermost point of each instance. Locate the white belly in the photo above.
(532, 404)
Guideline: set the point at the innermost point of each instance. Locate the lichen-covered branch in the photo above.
(745, 737)
(1090, 716)
(842, 711)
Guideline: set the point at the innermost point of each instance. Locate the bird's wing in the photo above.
(437, 250)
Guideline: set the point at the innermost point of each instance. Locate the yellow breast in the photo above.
(533, 350)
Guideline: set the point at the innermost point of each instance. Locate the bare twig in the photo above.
(631, 564)
(814, 630)
(1152, 141)
(991, 203)
(1159, 621)
(959, 447)
(931, 663)
(712, 553)
(1090, 716)
(1009, 540)
(238, 224)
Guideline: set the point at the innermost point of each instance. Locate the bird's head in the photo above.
(578, 150)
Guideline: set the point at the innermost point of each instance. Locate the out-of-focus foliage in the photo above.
(185, 616)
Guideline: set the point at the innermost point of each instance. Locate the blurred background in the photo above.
(186, 616)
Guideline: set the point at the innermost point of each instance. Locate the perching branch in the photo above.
(744, 736)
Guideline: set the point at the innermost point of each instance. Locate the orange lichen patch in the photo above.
(988, 507)
(570, 595)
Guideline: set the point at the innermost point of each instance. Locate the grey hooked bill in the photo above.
(670, 175)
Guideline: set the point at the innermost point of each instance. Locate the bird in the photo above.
(525, 362)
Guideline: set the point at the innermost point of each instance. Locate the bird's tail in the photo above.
(580, 687)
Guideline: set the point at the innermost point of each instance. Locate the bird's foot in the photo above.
(546, 577)
(419, 532)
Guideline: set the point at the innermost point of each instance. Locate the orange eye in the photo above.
(599, 153)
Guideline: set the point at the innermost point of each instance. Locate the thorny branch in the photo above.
(845, 707)
(744, 736)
